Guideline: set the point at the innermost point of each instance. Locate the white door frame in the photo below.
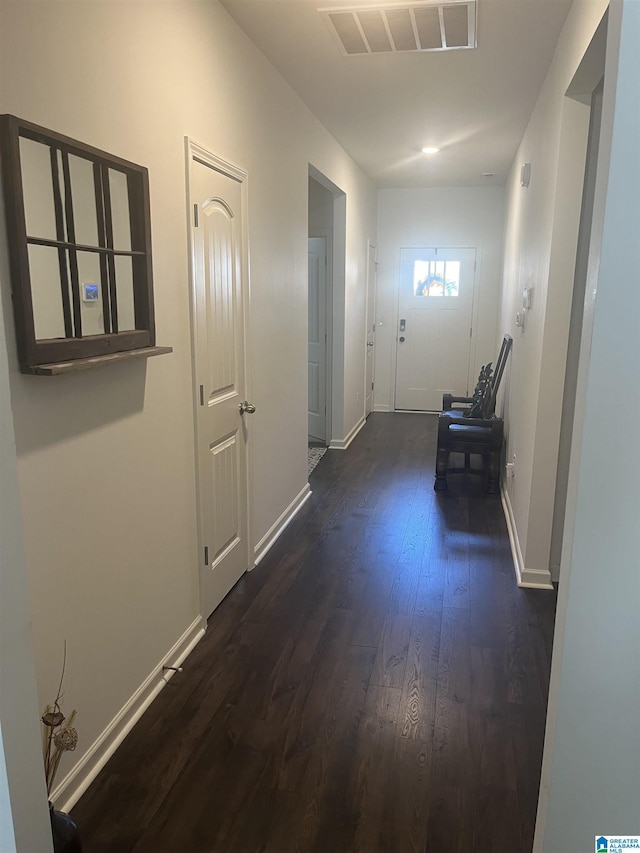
(370, 303)
(570, 402)
(195, 151)
(328, 355)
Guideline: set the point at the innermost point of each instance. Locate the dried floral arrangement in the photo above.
(58, 734)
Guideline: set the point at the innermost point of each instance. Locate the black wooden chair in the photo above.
(468, 425)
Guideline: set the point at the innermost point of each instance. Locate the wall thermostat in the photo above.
(90, 292)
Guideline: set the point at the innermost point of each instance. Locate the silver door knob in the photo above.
(249, 408)
(369, 343)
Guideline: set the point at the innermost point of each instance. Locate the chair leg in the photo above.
(494, 473)
(442, 460)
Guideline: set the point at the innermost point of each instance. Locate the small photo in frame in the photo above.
(90, 292)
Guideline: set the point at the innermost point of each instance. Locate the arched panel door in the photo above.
(219, 359)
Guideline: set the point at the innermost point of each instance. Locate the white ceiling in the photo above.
(383, 108)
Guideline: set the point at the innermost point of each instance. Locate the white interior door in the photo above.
(435, 309)
(219, 358)
(317, 339)
(371, 329)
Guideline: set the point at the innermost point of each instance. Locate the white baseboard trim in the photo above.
(280, 523)
(382, 407)
(528, 578)
(76, 782)
(342, 444)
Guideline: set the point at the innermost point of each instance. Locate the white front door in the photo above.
(371, 328)
(218, 273)
(317, 339)
(433, 337)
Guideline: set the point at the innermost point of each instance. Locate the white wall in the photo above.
(24, 820)
(437, 217)
(591, 769)
(106, 458)
(540, 250)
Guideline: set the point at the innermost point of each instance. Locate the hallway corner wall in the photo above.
(540, 249)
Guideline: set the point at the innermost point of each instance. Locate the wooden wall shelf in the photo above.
(57, 368)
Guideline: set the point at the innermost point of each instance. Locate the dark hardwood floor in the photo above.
(378, 683)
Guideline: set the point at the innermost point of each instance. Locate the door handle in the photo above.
(369, 343)
(249, 408)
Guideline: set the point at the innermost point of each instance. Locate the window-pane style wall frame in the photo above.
(78, 224)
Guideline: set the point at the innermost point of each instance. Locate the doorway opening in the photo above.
(586, 88)
(325, 356)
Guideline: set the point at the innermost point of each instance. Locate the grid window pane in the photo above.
(46, 292)
(121, 224)
(91, 305)
(37, 188)
(436, 278)
(83, 196)
(124, 293)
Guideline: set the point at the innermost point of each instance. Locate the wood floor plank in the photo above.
(322, 790)
(377, 684)
(357, 827)
(370, 616)
(450, 826)
(350, 588)
(405, 812)
(304, 725)
(402, 598)
(418, 703)
(527, 741)
(391, 659)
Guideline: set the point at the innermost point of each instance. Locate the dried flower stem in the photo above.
(58, 734)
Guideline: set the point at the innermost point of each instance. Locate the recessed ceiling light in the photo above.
(429, 149)
(488, 174)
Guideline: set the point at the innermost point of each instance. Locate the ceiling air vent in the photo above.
(403, 27)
